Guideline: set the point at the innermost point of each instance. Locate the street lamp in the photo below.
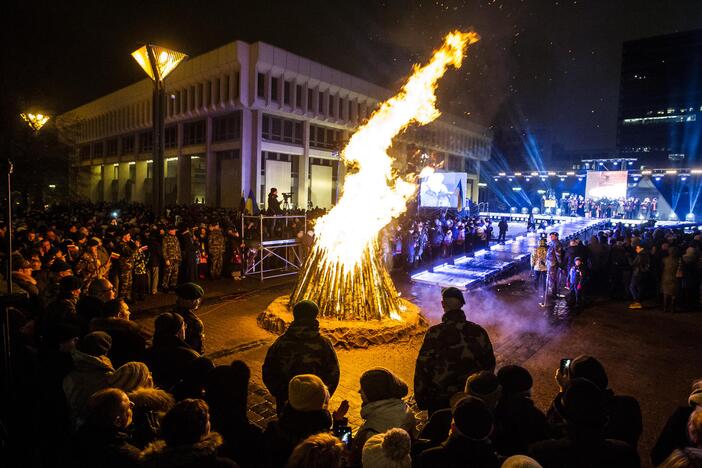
(35, 121)
(158, 62)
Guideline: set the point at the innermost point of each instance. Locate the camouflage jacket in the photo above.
(139, 262)
(89, 267)
(215, 243)
(452, 351)
(171, 248)
(126, 256)
(300, 350)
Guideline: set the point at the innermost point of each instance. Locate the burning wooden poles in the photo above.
(365, 293)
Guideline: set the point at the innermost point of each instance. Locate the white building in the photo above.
(246, 117)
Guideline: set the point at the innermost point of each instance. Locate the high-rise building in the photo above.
(660, 100)
(248, 117)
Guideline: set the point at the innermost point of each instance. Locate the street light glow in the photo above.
(35, 121)
(166, 60)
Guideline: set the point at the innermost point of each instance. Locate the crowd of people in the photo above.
(623, 207)
(652, 264)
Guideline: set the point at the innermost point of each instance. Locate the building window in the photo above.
(324, 137)
(274, 89)
(298, 96)
(128, 144)
(320, 103)
(111, 149)
(194, 133)
(309, 100)
(332, 104)
(279, 129)
(225, 91)
(227, 127)
(84, 152)
(146, 142)
(286, 92)
(170, 136)
(261, 85)
(98, 149)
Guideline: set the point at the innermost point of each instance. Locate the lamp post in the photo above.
(158, 62)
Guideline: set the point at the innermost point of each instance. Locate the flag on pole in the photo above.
(459, 189)
(251, 205)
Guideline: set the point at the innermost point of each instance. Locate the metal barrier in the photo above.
(267, 256)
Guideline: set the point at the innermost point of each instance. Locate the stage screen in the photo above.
(606, 184)
(441, 189)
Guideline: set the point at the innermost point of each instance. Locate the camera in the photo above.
(344, 434)
(287, 196)
(565, 364)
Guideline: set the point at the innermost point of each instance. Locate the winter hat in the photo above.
(454, 293)
(227, 384)
(381, 384)
(92, 242)
(307, 392)
(587, 367)
(486, 386)
(388, 450)
(305, 311)
(696, 395)
(514, 379)
(168, 323)
(520, 461)
(95, 343)
(58, 266)
(582, 403)
(472, 418)
(70, 283)
(190, 291)
(131, 376)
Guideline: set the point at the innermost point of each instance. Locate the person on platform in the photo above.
(451, 351)
(300, 350)
(188, 299)
(502, 226)
(273, 203)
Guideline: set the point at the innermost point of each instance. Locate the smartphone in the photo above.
(344, 434)
(565, 364)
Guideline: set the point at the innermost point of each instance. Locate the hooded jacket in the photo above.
(202, 454)
(89, 374)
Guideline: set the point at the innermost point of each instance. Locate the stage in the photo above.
(501, 260)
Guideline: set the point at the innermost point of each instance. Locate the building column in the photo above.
(211, 174)
(255, 173)
(123, 179)
(138, 194)
(107, 178)
(246, 156)
(184, 179)
(94, 183)
(303, 171)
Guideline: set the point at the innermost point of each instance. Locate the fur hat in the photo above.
(514, 379)
(95, 343)
(381, 384)
(587, 367)
(454, 293)
(131, 376)
(190, 291)
(305, 311)
(472, 418)
(388, 450)
(307, 392)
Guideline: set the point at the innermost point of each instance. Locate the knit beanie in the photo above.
(472, 418)
(514, 379)
(307, 392)
(95, 343)
(696, 394)
(486, 386)
(388, 450)
(587, 367)
(520, 461)
(381, 384)
(131, 376)
(305, 311)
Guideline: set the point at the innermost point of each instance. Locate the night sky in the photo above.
(540, 64)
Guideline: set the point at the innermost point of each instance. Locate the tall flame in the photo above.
(371, 197)
(342, 272)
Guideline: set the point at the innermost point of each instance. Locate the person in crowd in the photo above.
(187, 440)
(91, 371)
(640, 266)
(318, 451)
(91, 305)
(128, 337)
(469, 441)
(193, 379)
(215, 248)
(690, 285)
(576, 282)
(304, 414)
(171, 259)
(502, 226)
(125, 265)
(686, 458)
(23, 281)
(89, 266)
(169, 355)
(103, 440)
(140, 277)
(300, 350)
(520, 461)
(234, 254)
(63, 309)
(382, 407)
(48, 284)
(154, 243)
(226, 392)
(518, 422)
(670, 279)
(674, 434)
(584, 443)
(623, 420)
(188, 299)
(451, 351)
(554, 265)
(389, 449)
(188, 249)
(538, 266)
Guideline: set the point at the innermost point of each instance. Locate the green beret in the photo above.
(190, 291)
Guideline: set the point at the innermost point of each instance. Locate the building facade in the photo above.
(660, 100)
(247, 117)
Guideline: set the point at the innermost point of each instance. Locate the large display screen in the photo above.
(442, 190)
(606, 184)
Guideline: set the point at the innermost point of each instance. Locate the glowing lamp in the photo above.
(158, 62)
(35, 121)
(690, 217)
